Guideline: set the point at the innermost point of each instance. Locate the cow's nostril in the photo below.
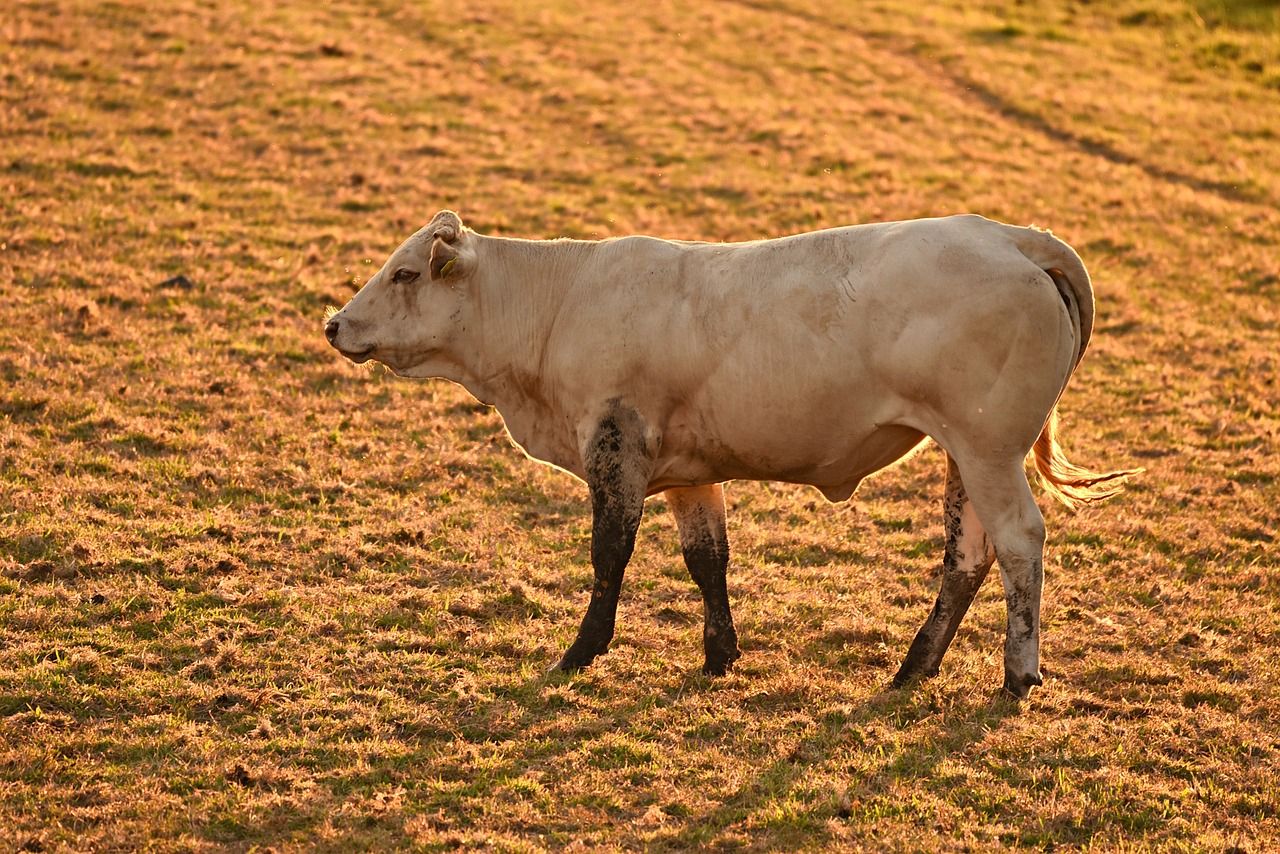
(331, 330)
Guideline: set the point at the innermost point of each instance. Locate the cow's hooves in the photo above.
(577, 659)
(720, 665)
(1019, 687)
(910, 676)
(572, 662)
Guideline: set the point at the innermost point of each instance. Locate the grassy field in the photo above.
(253, 597)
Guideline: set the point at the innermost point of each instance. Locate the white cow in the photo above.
(643, 365)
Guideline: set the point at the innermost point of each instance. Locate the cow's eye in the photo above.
(404, 275)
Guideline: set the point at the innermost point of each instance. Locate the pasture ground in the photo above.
(252, 597)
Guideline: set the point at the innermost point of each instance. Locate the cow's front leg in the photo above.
(618, 464)
(699, 512)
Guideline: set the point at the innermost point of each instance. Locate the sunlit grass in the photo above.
(252, 596)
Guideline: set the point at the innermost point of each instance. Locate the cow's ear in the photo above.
(447, 237)
(445, 229)
(444, 259)
(446, 224)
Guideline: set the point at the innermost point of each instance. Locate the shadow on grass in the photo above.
(495, 742)
(863, 800)
(894, 709)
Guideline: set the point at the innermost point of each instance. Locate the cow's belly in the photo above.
(834, 459)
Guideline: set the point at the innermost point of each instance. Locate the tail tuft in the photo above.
(1064, 480)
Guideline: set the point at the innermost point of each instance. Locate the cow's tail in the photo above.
(1071, 484)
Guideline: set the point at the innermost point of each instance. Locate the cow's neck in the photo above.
(519, 289)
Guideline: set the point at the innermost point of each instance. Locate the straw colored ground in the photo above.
(252, 597)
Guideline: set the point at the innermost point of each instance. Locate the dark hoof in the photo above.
(720, 664)
(910, 675)
(578, 658)
(1019, 687)
(573, 663)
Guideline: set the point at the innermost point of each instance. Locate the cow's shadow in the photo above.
(964, 724)
(962, 721)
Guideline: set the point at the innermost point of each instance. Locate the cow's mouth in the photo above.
(358, 356)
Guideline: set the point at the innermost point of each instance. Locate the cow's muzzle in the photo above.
(331, 330)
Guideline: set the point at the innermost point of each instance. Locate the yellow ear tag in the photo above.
(448, 265)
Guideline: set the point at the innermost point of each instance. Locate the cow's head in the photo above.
(407, 313)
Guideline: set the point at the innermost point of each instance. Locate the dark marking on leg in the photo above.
(617, 467)
(967, 558)
(1023, 590)
(1002, 496)
(699, 513)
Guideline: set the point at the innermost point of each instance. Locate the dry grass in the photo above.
(253, 597)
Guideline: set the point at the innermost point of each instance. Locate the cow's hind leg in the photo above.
(699, 512)
(967, 558)
(1002, 498)
(617, 468)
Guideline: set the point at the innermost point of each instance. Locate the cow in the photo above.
(644, 366)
